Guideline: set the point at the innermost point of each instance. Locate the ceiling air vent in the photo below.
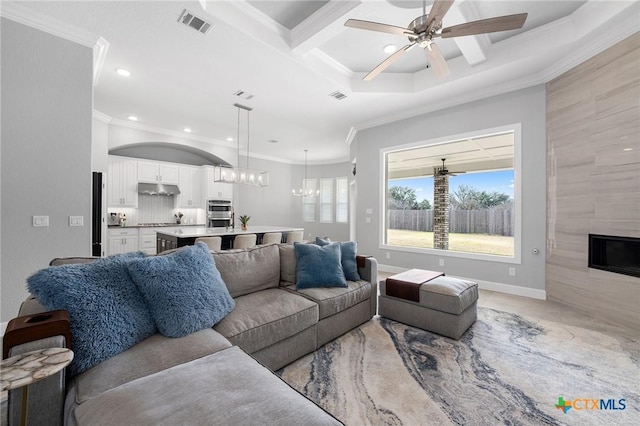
(338, 95)
(191, 20)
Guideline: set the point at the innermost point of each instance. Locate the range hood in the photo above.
(158, 189)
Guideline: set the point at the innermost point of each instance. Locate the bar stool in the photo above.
(214, 243)
(272, 238)
(244, 241)
(294, 236)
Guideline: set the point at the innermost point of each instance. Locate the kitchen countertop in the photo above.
(158, 225)
(202, 231)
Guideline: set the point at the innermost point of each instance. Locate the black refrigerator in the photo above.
(96, 214)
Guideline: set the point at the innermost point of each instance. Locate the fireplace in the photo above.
(615, 254)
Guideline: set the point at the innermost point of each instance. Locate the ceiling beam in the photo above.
(321, 26)
(473, 48)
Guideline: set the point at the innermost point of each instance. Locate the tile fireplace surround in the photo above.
(593, 181)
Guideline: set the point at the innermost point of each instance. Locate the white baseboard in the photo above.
(3, 327)
(486, 285)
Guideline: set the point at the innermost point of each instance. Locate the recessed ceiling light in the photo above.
(229, 139)
(186, 129)
(123, 72)
(133, 118)
(390, 48)
(628, 149)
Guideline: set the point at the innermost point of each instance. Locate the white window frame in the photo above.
(516, 128)
(342, 202)
(327, 190)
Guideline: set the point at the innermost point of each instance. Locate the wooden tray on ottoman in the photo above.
(406, 285)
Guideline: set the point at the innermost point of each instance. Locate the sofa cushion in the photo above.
(226, 388)
(318, 266)
(287, 264)
(348, 250)
(183, 290)
(107, 312)
(336, 299)
(248, 270)
(154, 354)
(265, 317)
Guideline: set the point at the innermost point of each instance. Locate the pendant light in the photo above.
(304, 191)
(241, 175)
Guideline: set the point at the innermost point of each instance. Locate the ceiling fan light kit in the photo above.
(241, 175)
(422, 30)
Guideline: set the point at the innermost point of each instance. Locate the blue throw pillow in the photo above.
(348, 257)
(107, 312)
(184, 290)
(318, 266)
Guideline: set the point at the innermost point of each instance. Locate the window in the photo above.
(309, 203)
(342, 200)
(326, 200)
(466, 207)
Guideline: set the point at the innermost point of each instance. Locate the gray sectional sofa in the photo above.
(218, 375)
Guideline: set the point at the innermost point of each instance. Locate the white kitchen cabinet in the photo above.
(216, 190)
(190, 184)
(122, 240)
(122, 183)
(152, 172)
(148, 240)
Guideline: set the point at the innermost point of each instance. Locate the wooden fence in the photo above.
(495, 222)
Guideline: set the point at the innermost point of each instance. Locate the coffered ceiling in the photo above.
(289, 56)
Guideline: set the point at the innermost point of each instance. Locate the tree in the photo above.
(402, 197)
(424, 205)
(468, 198)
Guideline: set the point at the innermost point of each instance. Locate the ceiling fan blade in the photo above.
(384, 64)
(491, 25)
(376, 26)
(438, 10)
(437, 61)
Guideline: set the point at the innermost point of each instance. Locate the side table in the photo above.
(30, 367)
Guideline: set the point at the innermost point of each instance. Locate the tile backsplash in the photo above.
(159, 209)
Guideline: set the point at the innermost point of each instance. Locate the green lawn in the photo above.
(476, 243)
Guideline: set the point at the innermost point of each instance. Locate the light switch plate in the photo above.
(40, 220)
(76, 221)
(369, 211)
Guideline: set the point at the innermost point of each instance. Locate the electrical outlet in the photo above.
(368, 219)
(76, 221)
(512, 272)
(40, 220)
(441, 262)
(388, 255)
(369, 211)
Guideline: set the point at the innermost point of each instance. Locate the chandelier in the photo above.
(304, 191)
(241, 175)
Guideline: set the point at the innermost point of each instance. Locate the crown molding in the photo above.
(322, 25)
(102, 116)
(30, 18)
(351, 135)
(49, 25)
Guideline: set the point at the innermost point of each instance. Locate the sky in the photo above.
(499, 181)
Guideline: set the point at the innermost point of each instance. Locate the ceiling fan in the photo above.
(445, 172)
(422, 30)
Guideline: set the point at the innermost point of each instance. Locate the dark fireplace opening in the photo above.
(615, 254)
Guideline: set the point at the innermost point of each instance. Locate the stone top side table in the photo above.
(29, 367)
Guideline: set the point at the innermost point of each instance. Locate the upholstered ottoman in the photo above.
(445, 305)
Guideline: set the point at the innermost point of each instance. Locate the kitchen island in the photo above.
(187, 236)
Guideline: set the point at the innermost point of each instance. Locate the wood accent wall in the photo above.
(593, 183)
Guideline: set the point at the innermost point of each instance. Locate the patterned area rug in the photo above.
(505, 370)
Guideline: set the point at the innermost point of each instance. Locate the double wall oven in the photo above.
(219, 214)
